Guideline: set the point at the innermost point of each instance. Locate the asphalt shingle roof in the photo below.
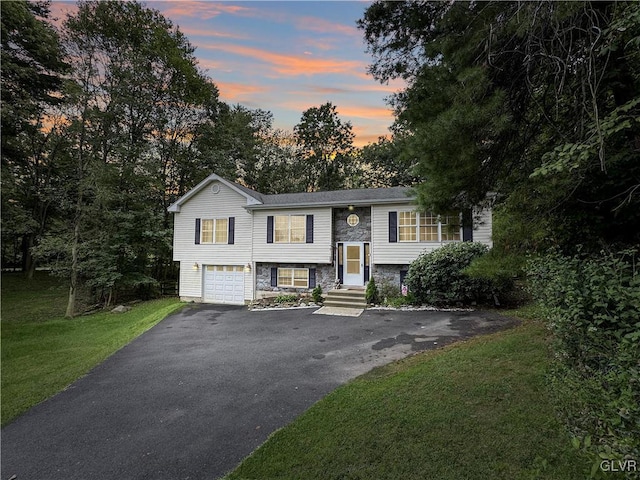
(332, 197)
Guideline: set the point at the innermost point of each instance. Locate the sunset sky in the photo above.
(284, 57)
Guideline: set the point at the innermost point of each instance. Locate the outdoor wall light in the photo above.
(247, 268)
(195, 266)
(351, 208)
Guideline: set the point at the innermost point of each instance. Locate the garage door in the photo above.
(224, 284)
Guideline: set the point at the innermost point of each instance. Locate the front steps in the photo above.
(346, 298)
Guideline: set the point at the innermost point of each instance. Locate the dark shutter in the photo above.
(197, 231)
(274, 277)
(393, 227)
(270, 229)
(309, 229)
(403, 273)
(467, 227)
(340, 262)
(312, 278)
(232, 231)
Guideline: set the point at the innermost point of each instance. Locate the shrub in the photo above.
(499, 271)
(437, 277)
(593, 309)
(284, 298)
(371, 293)
(316, 294)
(388, 291)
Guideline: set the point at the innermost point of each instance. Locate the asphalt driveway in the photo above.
(193, 396)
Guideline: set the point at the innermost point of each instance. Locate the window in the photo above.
(407, 227)
(353, 220)
(450, 227)
(290, 228)
(428, 227)
(214, 230)
(293, 277)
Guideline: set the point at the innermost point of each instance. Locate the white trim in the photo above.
(293, 275)
(214, 230)
(360, 275)
(175, 207)
(417, 228)
(288, 240)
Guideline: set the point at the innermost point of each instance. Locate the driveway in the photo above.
(193, 396)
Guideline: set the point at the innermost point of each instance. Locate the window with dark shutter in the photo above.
(197, 231)
(312, 278)
(309, 232)
(393, 227)
(274, 277)
(232, 231)
(270, 229)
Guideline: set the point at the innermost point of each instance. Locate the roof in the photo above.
(359, 196)
(257, 200)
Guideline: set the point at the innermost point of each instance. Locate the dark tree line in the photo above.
(538, 102)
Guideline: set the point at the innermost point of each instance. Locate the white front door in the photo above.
(353, 268)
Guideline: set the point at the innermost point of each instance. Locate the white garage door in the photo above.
(224, 284)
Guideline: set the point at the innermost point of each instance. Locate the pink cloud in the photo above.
(196, 9)
(292, 65)
(319, 25)
(232, 91)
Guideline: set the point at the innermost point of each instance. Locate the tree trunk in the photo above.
(71, 303)
(28, 264)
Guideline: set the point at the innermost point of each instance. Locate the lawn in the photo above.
(477, 409)
(42, 352)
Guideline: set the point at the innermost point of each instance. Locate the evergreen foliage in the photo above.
(593, 305)
(536, 101)
(438, 278)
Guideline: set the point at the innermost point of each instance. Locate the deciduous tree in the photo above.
(326, 146)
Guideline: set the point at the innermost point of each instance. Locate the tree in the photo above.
(32, 67)
(536, 101)
(136, 100)
(326, 145)
(386, 164)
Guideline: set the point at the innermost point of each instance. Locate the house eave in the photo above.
(175, 207)
(341, 203)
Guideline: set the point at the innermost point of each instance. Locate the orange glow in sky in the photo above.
(284, 57)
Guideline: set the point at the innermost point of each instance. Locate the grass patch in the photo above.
(42, 356)
(37, 300)
(477, 409)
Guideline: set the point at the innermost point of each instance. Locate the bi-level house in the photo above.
(235, 244)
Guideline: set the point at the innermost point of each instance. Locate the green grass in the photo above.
(477, 409)
(41, 356)
(37, 300)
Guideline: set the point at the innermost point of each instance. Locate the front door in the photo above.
(353, 264)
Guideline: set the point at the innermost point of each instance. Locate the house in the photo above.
(235, 244)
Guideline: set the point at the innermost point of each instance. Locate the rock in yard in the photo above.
(120, 309)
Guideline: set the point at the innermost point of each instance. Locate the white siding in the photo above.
(483, 226)
(206, 204)
(402, 253)
(317, 252)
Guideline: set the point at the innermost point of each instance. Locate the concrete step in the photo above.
(337, 303)
(346, 298)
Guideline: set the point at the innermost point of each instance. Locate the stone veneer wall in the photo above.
(388, 274)
(343, 232)
(325, 277)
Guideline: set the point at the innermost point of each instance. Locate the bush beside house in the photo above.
(437, 278)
